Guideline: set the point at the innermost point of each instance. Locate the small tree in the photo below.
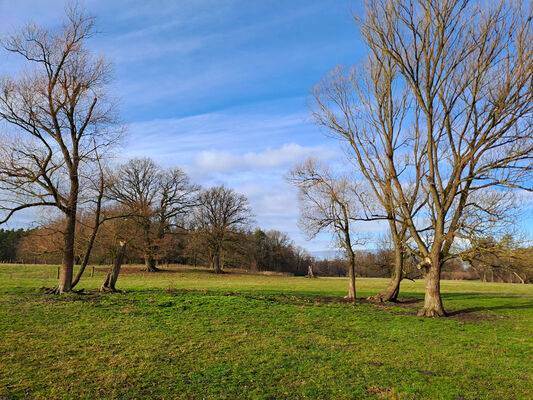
(328, 203)
(220, 210)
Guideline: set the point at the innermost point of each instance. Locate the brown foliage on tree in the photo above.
(156, 200)
(220, 211)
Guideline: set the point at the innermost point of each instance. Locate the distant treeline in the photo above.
(9, 241)
(256, 250)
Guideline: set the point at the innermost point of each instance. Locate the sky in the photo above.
(218, 87)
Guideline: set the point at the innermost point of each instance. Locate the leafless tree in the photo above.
(220, 211)
(446, 99)
(328, 203)
(367, 112)
(54, 112)
(155, 198)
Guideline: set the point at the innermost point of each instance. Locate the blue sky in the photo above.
(219, 87)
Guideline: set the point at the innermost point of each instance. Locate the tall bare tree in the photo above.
(155, 198)
(220, 211)
(446, 98)
(328, 203)
(54, 113)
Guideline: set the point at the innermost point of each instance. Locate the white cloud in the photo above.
(207, 163)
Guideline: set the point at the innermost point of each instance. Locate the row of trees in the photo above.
(59, 127)
(163, 218)
(437, 123)
(506, 261)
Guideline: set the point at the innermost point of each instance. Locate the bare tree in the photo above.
(220, 211)
(328, 203)
(55, 112)
(367, 112)
(461, 73)
(155, 198)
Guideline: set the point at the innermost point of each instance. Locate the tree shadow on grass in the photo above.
(490, 308)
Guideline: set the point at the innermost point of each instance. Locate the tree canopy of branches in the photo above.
(155, 198)
(220, 211)
(499, 257)
(57, 114)
(442, 109)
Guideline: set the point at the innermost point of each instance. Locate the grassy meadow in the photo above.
(189, 334)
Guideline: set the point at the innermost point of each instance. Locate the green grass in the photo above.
(190, 334)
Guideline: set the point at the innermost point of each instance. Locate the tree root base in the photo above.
(383, 298)
(57, 290)
(106, 289)
(431, 313)
(351, 298)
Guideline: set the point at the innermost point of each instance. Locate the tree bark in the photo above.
(112, 275)
(216, 262)
(351, 276)
(432, 300)
(390, 293)
(149, 263)
(67, 262)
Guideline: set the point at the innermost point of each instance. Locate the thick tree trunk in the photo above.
(112, 275)
(67, 262)
(149, 263)
(216, 263)
(432, 301)
(390, 293)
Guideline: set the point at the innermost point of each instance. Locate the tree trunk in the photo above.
(523, 281)
(351, 277)
(432, 300)
(216, 262)
(67, 262)
(149, 263)
(390, 293)
(86, 256)
(112, 275)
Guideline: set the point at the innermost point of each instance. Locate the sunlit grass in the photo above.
(192, 334)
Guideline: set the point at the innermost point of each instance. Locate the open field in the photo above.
(191, 334)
